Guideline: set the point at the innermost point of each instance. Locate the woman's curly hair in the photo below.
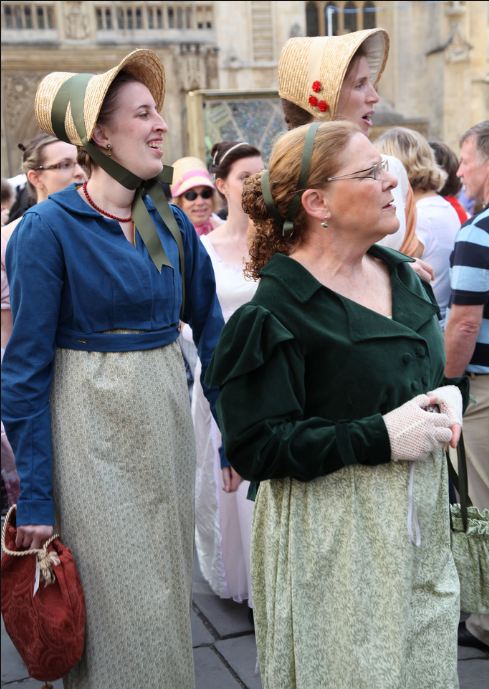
(284, 171)
(415, 153)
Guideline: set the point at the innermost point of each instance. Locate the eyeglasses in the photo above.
(373, 172)
(191, 195)
(65, 165)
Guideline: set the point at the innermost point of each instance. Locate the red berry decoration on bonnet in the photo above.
(321, 105)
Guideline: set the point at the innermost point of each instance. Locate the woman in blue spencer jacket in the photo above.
(95, 398)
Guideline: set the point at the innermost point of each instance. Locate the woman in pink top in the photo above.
(194, 191)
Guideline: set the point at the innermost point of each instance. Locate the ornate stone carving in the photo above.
(18, 118)
(296, 30)
(458, 48)
(19, 90)
(76, 20)
(192, 68)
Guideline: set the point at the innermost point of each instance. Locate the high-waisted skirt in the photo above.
(123, 472)
(343, 596)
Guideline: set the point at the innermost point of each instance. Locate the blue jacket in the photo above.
(74, 275)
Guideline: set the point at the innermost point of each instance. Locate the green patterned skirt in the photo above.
(124, 462)
(343, 599)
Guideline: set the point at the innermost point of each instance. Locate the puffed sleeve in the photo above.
(259, 367)
(35, 269)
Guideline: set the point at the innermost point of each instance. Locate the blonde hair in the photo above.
(417, 156)
(284, 170)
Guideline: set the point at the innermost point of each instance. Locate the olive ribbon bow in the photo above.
(72, 93)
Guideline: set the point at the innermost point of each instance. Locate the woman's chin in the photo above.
(365, 127)
(151, 170)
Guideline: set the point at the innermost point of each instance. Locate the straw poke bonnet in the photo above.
(189, 172)
(311, 71)
(143, 64)
(68, 105)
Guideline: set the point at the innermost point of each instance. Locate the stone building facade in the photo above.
(436, 77)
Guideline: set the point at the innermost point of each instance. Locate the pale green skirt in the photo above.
(343, 599)
(124, 461)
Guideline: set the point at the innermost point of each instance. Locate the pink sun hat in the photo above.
(188, 173)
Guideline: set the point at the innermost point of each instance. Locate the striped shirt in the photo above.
(469, 280)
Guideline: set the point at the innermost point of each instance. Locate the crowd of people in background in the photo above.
(319, 302)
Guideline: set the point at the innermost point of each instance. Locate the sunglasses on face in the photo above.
(192, 195)
(65, 165)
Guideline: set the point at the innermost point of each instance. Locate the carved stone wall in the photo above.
(437, 68)
(18, 89)
(42, 37)
(438, 64)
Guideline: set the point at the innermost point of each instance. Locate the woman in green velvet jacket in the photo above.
(327, 378)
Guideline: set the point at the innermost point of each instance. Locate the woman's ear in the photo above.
(315, 203)
(221, 185)
(34, 177)
(99, 136)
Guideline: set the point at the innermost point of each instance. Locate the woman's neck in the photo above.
(423, 194)
(109, 194)
(235, 227)
(230, 240)
(237, 222)
(331, 253)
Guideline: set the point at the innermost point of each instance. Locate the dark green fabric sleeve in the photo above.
(267, 432)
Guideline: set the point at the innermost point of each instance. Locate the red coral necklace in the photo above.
(100, 210)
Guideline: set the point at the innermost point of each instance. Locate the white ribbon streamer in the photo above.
(413, 529)
(37, 578)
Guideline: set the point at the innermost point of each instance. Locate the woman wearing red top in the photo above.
(447, 159)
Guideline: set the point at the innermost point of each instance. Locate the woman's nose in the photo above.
(390, 180)
(79, 172)
(372, 95)
(161, 124)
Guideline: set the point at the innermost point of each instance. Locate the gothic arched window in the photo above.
(333, 12)
(312, 19)
(369, 18)
(350, 16)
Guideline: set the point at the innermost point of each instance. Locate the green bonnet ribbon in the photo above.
(288, 223)
(72, 93)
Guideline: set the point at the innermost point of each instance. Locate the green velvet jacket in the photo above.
(306, 374)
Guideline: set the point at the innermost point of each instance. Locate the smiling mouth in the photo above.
(389, 205)
(367, 119)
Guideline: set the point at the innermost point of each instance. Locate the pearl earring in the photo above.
(324, 223)
(109, 150)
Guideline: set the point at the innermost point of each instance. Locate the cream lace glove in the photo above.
(449, 399)
(415, 432)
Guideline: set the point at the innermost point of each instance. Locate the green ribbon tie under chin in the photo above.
(72, 93)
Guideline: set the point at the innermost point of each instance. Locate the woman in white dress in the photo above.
(223, 513)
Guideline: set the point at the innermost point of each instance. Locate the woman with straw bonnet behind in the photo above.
(95, 398)
(327, 78)
(326, 378)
